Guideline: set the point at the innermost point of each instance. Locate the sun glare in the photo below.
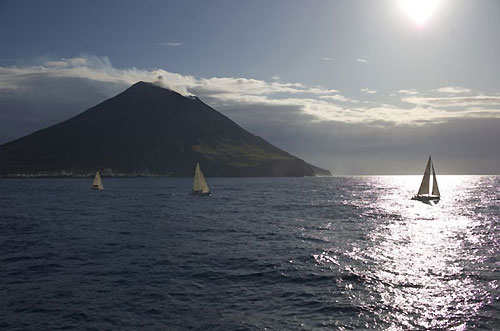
(420, 11)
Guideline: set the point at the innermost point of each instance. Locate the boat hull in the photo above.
(426, 198)
(97, 188)
(200, 193)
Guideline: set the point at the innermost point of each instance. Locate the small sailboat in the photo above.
(97, 184)
(424, 193)
(200, 186)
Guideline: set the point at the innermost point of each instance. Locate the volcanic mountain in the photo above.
(148, 129)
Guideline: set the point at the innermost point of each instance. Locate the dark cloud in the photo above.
(44, 100)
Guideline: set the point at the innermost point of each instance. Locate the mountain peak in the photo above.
(149, 85)
(142, 85)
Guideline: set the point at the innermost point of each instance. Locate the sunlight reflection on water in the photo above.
(419, 264)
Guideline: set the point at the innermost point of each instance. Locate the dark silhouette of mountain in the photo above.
(149, 129)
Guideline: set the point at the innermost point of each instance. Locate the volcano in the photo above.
(150, 130)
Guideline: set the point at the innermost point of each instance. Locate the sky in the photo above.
(357, 87)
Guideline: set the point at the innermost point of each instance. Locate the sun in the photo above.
(420, 11)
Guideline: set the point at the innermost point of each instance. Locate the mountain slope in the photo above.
(150, 129)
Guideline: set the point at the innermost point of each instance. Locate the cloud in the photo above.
(408, 92)
(171, 44)
(481, 100)
(327, 58)
(369, 91)
(453, 90)
(171, 81)
(92, 68)
(336, 97)
(76, 62)
(361, 60)
(61, 64)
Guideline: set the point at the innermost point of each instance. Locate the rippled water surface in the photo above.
(289, 253)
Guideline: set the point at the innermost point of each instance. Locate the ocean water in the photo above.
(260, 254)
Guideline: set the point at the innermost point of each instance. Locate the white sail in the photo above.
(424, 186)
(199, 182)
(435, 188)
(97, 184)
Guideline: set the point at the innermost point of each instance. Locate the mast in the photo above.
(435, 188)
(424, 186)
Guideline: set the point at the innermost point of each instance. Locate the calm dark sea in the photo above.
(275, 254)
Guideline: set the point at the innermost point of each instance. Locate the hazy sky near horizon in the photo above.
(357, 87)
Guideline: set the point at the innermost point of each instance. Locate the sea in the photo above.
(331, 253)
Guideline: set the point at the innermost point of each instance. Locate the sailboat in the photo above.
(424, 193)
(200, 186)
(97, 184)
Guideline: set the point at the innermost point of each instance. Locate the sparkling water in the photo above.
(260, 253)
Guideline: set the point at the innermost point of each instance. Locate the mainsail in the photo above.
(424, 186)
(97, 184)
(199, 183)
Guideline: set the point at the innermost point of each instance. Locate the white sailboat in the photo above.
(97, 184)
(424, 193)
(200, 186)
